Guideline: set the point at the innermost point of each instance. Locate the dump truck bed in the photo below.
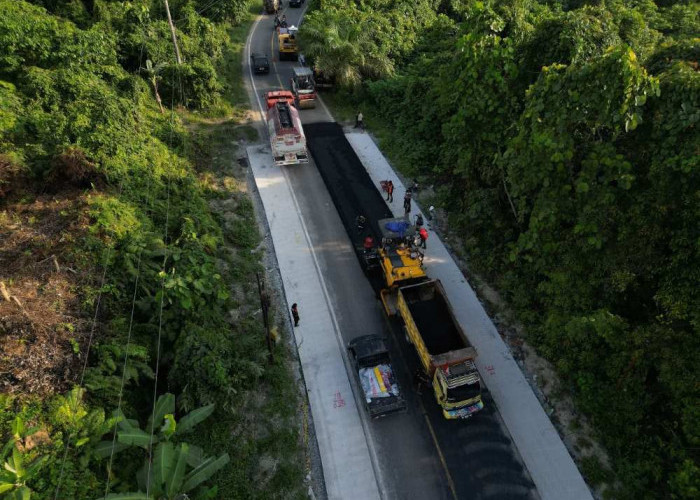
(432, 326)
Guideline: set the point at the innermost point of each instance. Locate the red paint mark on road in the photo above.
(490, 369)
(338, 401)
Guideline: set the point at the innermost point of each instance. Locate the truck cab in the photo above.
(304, 87)
(275, 96)
(458, 389)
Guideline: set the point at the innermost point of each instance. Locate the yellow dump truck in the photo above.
(430, 325)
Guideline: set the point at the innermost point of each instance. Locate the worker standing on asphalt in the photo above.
(369, 243)
(390, 191)
(407, 202)
(295, 314)
(360, 222)
(423, 236)
(419, 220)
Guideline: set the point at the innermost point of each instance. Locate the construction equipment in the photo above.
(445, 354)
(287, 43)
(287, 138)
(429, 322)
(303, 87)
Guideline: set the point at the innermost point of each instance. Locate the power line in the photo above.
(203, 9)
(160, 330)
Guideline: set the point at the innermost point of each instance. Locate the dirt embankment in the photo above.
(41, 324)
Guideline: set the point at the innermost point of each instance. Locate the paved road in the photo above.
(419, 453)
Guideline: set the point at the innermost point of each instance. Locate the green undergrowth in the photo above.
(161, 206)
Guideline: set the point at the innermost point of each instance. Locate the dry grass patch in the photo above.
(41, 325)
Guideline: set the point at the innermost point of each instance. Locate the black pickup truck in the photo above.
(375, 375)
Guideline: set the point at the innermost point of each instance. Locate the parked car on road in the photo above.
(260, 63)
(374, 373)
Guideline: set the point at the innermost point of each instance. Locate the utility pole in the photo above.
(172, 30)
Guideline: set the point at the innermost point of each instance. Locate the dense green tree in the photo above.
(568, 158)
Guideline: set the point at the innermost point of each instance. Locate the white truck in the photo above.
(287, 138)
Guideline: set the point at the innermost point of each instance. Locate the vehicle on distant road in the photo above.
(375, 375)
(287, 139)
(303, 87)
(296, 3)
(260, 63)
(287, 43)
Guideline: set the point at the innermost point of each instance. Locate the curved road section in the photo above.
(417, 454)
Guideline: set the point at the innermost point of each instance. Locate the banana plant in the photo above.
(176, 470)
(18, 470)
(152, 73)
(130, 434)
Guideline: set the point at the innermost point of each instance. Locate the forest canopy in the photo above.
(563, 138)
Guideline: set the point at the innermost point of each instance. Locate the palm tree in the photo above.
(344, 46)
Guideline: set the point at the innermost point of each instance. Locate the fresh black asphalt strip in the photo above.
(478, 452)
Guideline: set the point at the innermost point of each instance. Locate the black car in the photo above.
(260, 63)
(295, 3)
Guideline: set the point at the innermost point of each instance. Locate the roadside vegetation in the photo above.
(562, 138)
(131, 340)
